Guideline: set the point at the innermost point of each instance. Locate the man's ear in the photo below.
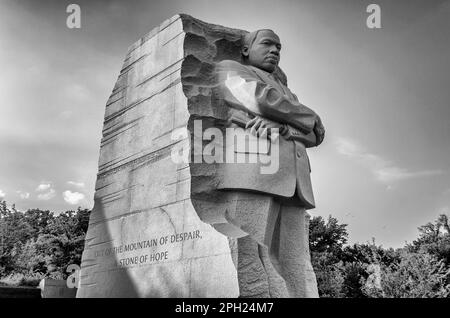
(245, 51)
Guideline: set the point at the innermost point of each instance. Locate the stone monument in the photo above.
(180, 209)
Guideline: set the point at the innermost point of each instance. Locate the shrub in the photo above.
(418, 275)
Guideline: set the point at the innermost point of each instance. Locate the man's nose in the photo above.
(274, 50)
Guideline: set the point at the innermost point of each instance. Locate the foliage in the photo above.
(37, 243)
(418, 275)
(354, 274)
(420, 269)
(22, 279)
(434, 239)
(328, 274)
(325, 243)
(327, 236)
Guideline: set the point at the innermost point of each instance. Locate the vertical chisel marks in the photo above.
(111, 135)
(169, 133)
(110, 130)
(132, 48)
(100, 243)
(117, 90)
(146, 159)
(89, 265)
(109, 103)
(178, 181)
(126, 68)
(113, 162)
(116, 195)
(182, 32)
(107, 141)
(104, 186)
(178, 69)
(110, 127)
(152, 33)
(138, 102)
(159, 73)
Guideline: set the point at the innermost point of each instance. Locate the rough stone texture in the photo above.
(167, 81)
(239, 213)
(141, 194)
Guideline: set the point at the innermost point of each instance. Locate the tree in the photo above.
(15, 231)
(326, 237)
(354, 275)
(328, 274)
(418, 275)
(326, 241)
(38, 242)
(359, 260)
(434, 238)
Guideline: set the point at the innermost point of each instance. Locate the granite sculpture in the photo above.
(173, 217)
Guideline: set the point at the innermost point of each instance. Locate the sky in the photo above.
(383, 96)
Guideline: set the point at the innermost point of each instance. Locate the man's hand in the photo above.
(260, 126)
(319, 131)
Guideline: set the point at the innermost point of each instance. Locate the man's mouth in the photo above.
(272, 58)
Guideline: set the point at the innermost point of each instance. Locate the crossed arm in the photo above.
(272, 108)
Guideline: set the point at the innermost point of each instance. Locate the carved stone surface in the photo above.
(269, 239)
(150, 232)
(145, 238)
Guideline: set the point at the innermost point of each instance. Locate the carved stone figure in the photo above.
(269, 209)
(202, 228)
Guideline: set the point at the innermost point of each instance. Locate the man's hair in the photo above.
(249, 38)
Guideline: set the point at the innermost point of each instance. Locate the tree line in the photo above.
(37, 244)
(420, 269)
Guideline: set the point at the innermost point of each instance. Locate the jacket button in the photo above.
(299, 153)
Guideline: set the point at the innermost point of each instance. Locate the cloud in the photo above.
(72, 197)
(77, 92)
(23, 195)
(76, 184)
(43, 187)
(47, 195)
(2, 194)
(384, 171)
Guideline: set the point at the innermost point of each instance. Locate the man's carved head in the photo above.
(262, 49)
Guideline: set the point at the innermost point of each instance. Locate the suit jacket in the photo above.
(249, 91)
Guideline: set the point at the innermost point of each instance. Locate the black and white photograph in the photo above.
(238, 150)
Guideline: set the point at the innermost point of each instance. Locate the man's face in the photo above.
(265, 51)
